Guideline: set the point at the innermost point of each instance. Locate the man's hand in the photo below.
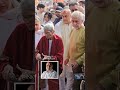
(66, 61)
(46, 57)
(38, 56)
(8, 69)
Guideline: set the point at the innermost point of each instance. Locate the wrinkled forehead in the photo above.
(76, 20)
(66, 13)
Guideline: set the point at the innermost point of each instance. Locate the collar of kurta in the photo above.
(50, 71)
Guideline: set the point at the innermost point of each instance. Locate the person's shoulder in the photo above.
(81, 31)
(83, 28)
(58, 24)
(54, 72)
(44, 72)
(43, 38)
(57, 37)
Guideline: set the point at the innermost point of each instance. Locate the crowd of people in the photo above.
(60, 35)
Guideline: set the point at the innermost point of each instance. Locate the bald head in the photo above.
(66, 16)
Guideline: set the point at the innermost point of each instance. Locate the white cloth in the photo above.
(44, 23)
(41, 17)
(49, 75)
(38, 36)
(64, 31)
(50, 44)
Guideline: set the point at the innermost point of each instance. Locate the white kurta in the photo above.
(41, 16)
(49, 75)
(38, 36)
(64, 31)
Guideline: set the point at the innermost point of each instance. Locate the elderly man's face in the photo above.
(4, 5)
(49, 34)
(66, 18)
(76, 22)
(101, 3)
(49, 66)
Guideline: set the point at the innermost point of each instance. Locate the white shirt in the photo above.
(44, 23)
(49, 75)
(50, 44)
(41, 16)
(38, 36)
(64, 30)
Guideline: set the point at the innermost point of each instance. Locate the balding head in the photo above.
(66, 16)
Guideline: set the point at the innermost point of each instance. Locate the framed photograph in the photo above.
(49, 69)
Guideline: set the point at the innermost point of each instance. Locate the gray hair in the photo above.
(79, 15)
(49, 27)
